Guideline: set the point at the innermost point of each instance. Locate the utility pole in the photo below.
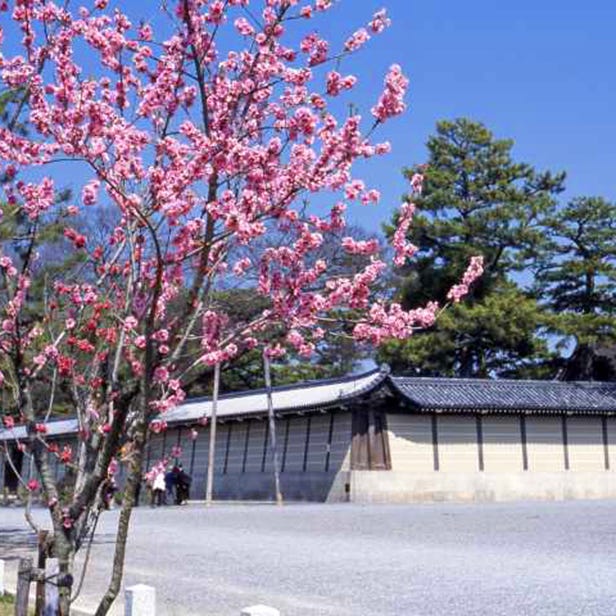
(212, 448)
(272, 426)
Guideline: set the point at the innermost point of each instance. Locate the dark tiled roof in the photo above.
(506, 395)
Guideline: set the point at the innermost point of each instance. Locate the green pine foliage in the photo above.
(576, 277)
(476, 200)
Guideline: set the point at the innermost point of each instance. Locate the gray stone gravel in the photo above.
(323, 560)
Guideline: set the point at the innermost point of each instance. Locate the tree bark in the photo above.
(65, 553)
(128, 502)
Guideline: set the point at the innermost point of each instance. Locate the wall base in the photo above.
(295, 486)
(398, 487)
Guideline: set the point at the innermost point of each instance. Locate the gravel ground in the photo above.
(321, 560)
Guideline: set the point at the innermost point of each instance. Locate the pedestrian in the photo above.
(158, 487)
(170, 484)
(182, 485)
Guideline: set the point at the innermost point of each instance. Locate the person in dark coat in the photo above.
(182, 486)
(170, 484)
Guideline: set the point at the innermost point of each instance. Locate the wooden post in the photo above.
(40, 583)
(24, 573)
(52, 595)
(1, 577)
(212, 449)
(272, 426)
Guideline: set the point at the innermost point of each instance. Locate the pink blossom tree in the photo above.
(199, 142)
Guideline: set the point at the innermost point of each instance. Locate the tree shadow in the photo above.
(16, 542)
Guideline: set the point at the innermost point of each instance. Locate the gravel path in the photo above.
(325, 560)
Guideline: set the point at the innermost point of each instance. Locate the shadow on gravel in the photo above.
(18, 542)
(15, 541)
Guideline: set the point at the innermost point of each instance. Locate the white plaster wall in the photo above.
(457, 444)
(236, 447)
(398, 487)
(410, 443)
(545, 444)
(156, 449)
(585, 443)
(611, 440)
(340, 449)
(256, 441)
(502, 444)
(317, 446)
(200, 465)
(296, 444)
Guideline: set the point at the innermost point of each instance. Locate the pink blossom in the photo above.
(402, 247)
(130, 323)
(380, 21)
(33, 485)
(357, 40)
(241, 266)
(6, 264)
(361, 247)
(157, 426)
(113, 467)
(336, 83)
(162, 335)
(242, 25)
(274, 352)
(89, 193)
(161, 374)
(66, 454)
(472, 273)
(391, 102)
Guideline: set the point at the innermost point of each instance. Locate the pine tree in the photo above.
(476, 200)
(577, 281)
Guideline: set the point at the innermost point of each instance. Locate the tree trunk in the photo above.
(133, 480)
(65, 554)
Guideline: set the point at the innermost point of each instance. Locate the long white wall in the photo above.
(493, 457)
(315, 446)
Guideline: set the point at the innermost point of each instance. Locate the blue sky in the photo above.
(538, 71)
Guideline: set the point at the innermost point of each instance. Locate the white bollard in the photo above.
(1, 577)
(260, 610)
(140, 600)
